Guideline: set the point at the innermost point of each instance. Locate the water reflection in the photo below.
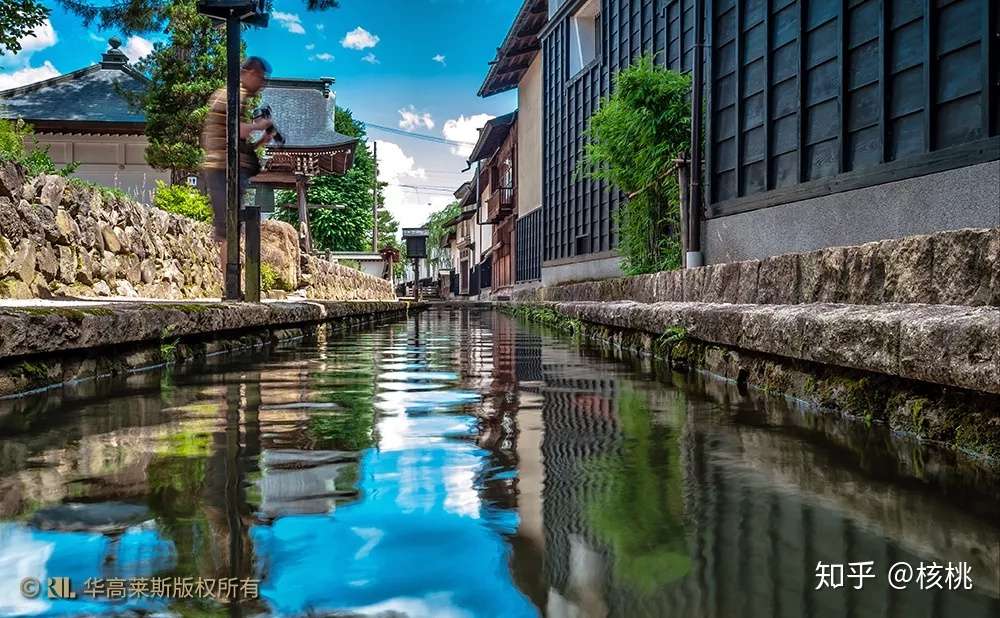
(462, 464)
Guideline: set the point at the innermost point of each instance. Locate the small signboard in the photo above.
(416, 241)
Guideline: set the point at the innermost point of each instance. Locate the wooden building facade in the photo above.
(806, 100)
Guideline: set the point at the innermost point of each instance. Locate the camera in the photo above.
(272, 131)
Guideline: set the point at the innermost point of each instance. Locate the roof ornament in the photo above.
(114, 57)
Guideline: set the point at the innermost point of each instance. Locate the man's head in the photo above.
(254, 73)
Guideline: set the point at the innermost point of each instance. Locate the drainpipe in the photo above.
(694, 256)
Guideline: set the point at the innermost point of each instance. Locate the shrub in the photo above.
(632, 142)
(268, 277)
(182, 200)
(36, 160)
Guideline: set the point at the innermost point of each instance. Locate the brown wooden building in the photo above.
(496, 154)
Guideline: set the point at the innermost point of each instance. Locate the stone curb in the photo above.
(26, 331)
(943, 344)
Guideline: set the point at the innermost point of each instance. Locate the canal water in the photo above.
(461, 463)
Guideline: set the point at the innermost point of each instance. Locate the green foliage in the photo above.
(437, 232)
(182, 200)
(632, 142)
(183, 74)
(35, 160)
(106, 191)
(19, 18)
(547, 316)
(268, 277)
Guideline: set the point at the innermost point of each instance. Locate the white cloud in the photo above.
(137, 47)
(290, 22)
(27, 75)
(371, 59)
(93, 36)
(396, 168)
(439, 58)
(321, 27)
(16, 69)
(410, 119)
(359, 39)
(465, 130)
(311, 46)
(325, 57)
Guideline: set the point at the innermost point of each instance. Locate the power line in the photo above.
(423, 136)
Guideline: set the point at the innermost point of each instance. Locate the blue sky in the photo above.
(410, 64)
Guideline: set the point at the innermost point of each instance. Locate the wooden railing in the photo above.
(500, 204)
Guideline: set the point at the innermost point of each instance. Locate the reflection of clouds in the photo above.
(461, 496)
(21, 556)
(439, 605)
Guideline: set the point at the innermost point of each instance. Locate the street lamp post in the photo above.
(234, 13)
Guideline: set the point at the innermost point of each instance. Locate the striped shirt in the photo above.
(213, 134)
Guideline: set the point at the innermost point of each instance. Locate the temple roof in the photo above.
(518, 49)
(491, 136)
(303, 110)
(90, 96)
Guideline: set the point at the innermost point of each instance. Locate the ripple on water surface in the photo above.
(461, 464)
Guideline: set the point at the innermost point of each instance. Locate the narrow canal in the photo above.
(461, 463)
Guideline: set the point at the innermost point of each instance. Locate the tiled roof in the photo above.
(91, 94)
(491, 136)
(303, 110)
(518, 49)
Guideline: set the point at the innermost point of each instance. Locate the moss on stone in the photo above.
(72, 313)
(34, 372)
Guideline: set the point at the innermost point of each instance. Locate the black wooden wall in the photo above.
(529, 246)
(877, 91)
(864, 90)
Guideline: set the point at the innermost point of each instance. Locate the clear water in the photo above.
(460, 463)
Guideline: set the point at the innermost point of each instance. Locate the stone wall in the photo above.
(960, 267)
(62, 238)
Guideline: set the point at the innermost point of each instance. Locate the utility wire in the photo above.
(423, 136)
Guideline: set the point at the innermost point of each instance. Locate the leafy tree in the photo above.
(18, 19)
(632, 142)
(132, 16)
(183, 74)
(437, 231)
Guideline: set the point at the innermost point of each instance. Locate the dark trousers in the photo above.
(215, 183)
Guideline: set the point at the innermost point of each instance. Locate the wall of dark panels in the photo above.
(529, 247)
(579, 214)
(807, 90)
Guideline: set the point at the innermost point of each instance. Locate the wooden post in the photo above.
(685, 199)
(305, 242)
(263, 198)
(416, 279)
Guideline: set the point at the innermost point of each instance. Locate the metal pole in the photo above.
(375, 197)
(232, 274)
(694, 257)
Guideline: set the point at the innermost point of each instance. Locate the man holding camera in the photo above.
(253, 75)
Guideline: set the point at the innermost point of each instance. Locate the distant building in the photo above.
(83, 117)
(518, 64)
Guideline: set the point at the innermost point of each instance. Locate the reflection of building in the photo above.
(83, 117)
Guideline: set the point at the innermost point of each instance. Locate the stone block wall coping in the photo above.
(31, 330)
(942, 344)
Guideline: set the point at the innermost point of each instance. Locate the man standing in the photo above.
(253, 74)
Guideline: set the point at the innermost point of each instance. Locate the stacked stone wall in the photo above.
(64, 238)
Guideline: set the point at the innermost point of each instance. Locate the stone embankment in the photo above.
(42, 346)
(63, 238)
(902, 331)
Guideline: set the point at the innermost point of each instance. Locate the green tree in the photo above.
(632, 142)
(183, 73)
(18, 19)
(132, 16)
(437, 232)
(348, 228)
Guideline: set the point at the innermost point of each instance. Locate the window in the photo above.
(584, 36)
